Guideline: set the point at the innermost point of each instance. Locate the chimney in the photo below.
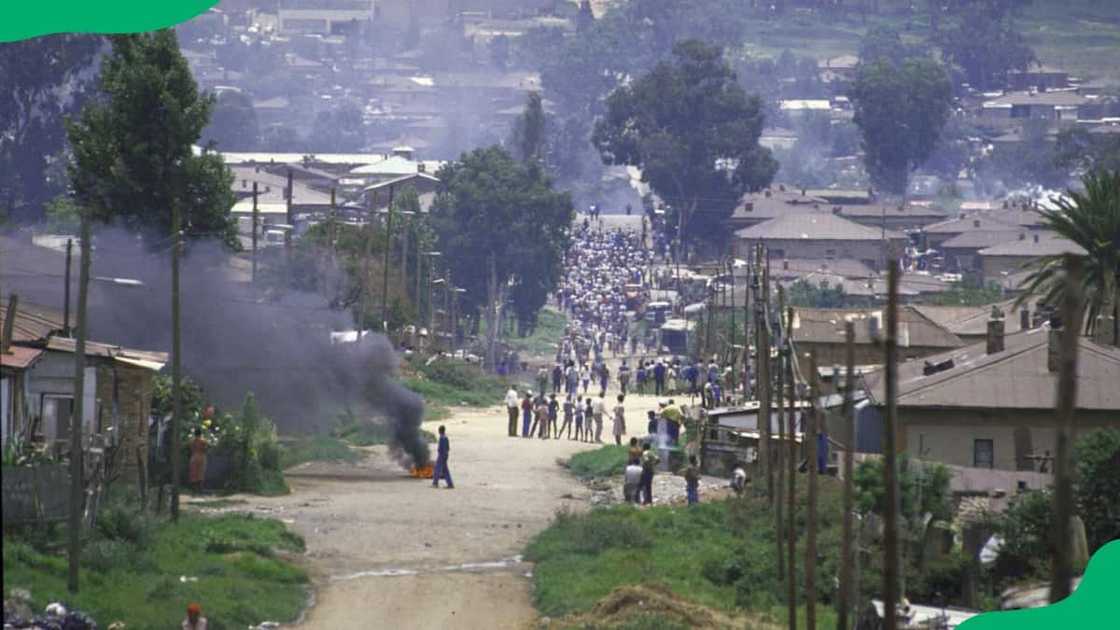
(785, 264)
(1054, 347)
(836, 210)
(1036, 238)
(1022, 236)
(802, 191)
(782, 187)
(767, 193)
(1024, 319)
(976, 223)
(995, 334)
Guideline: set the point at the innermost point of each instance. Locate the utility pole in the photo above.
(890, 457)
(1062, 559)
(762, 334)
(844, 604)
(811, 433)
(404, 252)
(75, 523)
(66, 290)
(731, 273)
(385, 271)
(9, 323)
(791, 472)
(747, 328)
(256, 222)
(779, 462)
(289, 217)
(176, 358)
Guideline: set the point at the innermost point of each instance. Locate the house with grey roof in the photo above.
(821, 235)
(1009, 257)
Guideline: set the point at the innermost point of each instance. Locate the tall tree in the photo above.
(44, 80)
(339, 130)
(693, 132)
(528, 136)
(233, 124)
(1090, 219)
(132, 146)
(900, 109)
(499, 225)
(982, 41)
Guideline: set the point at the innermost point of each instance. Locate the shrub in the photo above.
(1098, 486)
(118, 521)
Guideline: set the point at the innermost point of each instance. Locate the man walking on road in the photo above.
(659, 378)
(513, 404)
(442, 452)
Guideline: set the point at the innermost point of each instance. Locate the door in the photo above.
(55, 423)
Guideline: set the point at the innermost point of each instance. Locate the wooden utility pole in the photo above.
(404, 253)
(791, 472)
(1062, 558)
(747, 329)
(367, 282)
(66, 290)
(385, 271)
(890, 457)
(176, 358)
(779, 460)
(289, 217)
(256, 224)
(78, 409)
(9, 324)
(811, 431)
(844, 601)
(763, 382)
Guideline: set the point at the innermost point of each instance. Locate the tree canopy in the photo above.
(528, 137)
(43, 82)
(982, 41)
(900, 109)
(494, 211)
(233, 124)
(693, 132)
(133, 160)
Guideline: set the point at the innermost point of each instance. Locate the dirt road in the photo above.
(388, 551)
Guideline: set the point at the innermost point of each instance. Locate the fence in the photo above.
(34, 494)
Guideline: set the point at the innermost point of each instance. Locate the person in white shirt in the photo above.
(598, 408)
(513, 403)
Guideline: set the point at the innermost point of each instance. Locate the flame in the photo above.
(422, 472)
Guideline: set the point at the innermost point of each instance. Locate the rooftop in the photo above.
(816, 325)
(815, 226)
(1017, 378)
(1035, 244)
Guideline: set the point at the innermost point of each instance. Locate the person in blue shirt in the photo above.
(659, 378)
(717, 394)
(442, 451)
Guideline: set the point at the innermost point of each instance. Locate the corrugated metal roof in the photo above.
(813, 325)
(142, 358)
(1017, 378)
(33, 322)
(815, 226)
(1037, 244)
(20, 358)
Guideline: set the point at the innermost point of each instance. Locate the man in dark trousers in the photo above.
(442, 451)
(659, 377)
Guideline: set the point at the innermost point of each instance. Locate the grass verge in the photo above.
(144, 571)
(316, 448)
(602, 462)
(719, 555)
(545, 337)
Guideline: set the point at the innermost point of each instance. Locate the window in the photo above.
(830, 254)
(983, 454)
(55, 424)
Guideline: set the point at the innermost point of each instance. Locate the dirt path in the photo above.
(388, 551)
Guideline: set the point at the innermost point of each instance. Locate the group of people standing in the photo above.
(578, 418)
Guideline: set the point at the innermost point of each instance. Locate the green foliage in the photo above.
(233, 124)
(1091, 220)
(449, 383)
(163, 402)
(239, 580)
(1026, 529)
(901, 107)
(529, 135)
(338, 130)
(982, 41)
(803, 293)
(42, 84)
(496, 214)
(923, 487)
(63, 215)
(316, 448)
(693, 132)
(967, 294)
(132, 149)
(602, 462)
(1098, 485)
(545, 336)
(1077, 147)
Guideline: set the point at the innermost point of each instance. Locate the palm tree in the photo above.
(1091, 219)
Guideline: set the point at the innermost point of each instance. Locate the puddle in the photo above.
(466, 567)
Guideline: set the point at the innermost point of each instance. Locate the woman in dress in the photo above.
(197, 472)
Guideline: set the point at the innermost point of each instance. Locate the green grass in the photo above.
(546, 336)
(316, 448)
(719, 554)
(602, 462)
(131, 570)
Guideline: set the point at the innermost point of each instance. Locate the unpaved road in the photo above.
(388, 551)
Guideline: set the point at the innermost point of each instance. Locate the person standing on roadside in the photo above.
(619, 427)
(604, 379)
(579, 419)
(649, 463)
(692, 480)
(589, 419)
(569, 412)
(443, 451)
(598, 409)
(526, 413)
(542, 380)
(553, 427)
(659, 378)
(623, 376)
(513, 402)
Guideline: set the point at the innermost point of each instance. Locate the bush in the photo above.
(103, 556)
(601, 462)
(120, 522)
(1098, 486)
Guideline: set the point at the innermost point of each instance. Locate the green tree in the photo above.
(495, 214)
(1090, 219)
(1088, 149)
(983, 42)
(923, 487)
(132, 147)
(1098, 485)
(693, 132)
(806, 294)
(233, 124)
(339, 130)
(528, 136)
(42, 83)
(900, 110)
